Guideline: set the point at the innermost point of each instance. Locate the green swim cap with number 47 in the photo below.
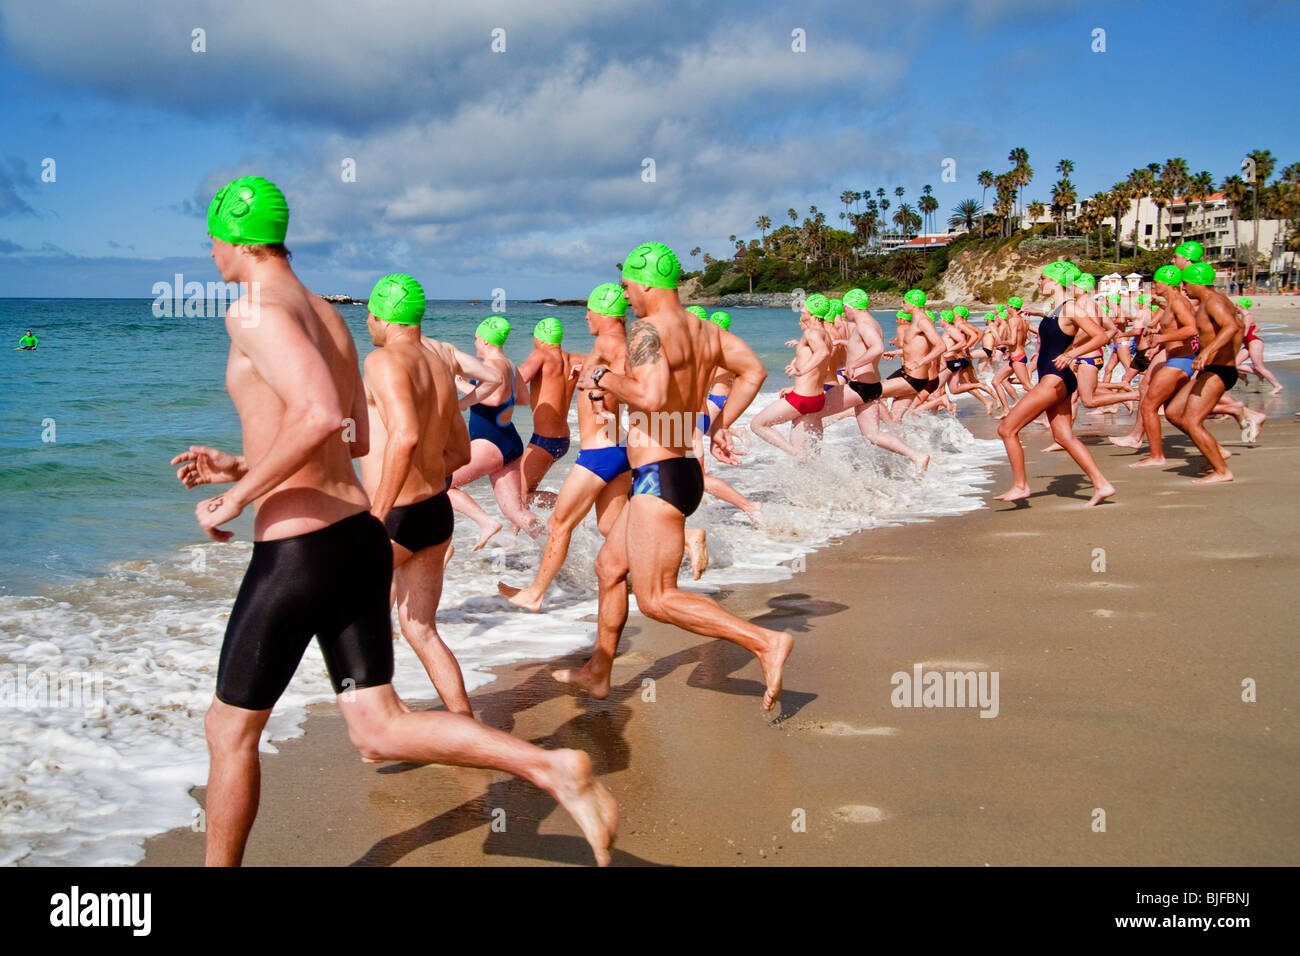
(397, 298)
(652, 264)
(494, 330)
(249, 210)
(608, 299)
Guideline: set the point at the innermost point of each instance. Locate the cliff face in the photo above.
(992, 274)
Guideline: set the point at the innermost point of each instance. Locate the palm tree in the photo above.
(985, 179)
(794, 216)
(1141, 183)
(1201, 186)
(1018, 158)
(1087, 220)
(1099, 208)
(846, 197)
(1006, 191)
(1063, 197)
(764, 224)
(908, 266)
(928, 205)
(695, 252)
(903, 218)
(1065, 167)
(1235, 190)
(1036, 210)
(1116, 207)
(1162, 195)
(1264, 163)
(884, 207)
(1174, 172)
(965, 214)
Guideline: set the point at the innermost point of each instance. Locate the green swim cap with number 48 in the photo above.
(652, 264)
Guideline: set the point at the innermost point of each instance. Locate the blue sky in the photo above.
(523, 169)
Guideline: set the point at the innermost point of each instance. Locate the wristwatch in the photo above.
(597, 375)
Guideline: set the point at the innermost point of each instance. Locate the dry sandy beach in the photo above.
(1120, 690)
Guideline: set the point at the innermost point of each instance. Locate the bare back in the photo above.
(302, 338)
(552, 391)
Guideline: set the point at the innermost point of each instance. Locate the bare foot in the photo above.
(446, 558)
(756, 513)
(520, 597)
(1124, 441)
(1100, 495)
(772, 661)
(1015, 494)
(1054, 446)
(485, 535)
(593, 808)
(1149, 463)
(1254, 420)
(1276, 390)
(1213, 479)
(921, 466)
(698, 550)
(1224, 453)
(597, 685)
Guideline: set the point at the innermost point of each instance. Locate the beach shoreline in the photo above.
(1121, 692)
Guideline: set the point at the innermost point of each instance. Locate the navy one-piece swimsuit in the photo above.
(1051, 343)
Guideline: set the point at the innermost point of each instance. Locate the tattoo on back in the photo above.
(643, 345)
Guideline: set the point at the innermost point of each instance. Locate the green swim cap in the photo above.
(992, 316)
(833, 311)
(856, 299)
(1245, 303)
(1057, 271)
(962, 311)
(817, 305)
(249, 210)
(1087, 282)
(397, 298)
(721, 318)
(652, 264)
(493, 330)
(915, 297)
(1168, 275)
(549, 331)
(1002, 310)
(948, 315)
(1199, 273)
(608, 299)
(1016, 302)
(699, 311)
(1190, 250)
(903, 316)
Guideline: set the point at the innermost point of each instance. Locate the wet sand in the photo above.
(1120, 690)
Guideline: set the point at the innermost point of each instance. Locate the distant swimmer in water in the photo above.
(27, 343)
(321, 563)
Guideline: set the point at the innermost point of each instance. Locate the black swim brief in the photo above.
(1227, 373)
(867, 391)
(1142, 361)
(917, 383)
(678, 481)
(423, 524)
(956, 365)
(332, 583)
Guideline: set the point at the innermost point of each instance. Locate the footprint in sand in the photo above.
(634, 659)
(1102, 612)
(838, 728)
(858, 813)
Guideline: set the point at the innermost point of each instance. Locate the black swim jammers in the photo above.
(678, 481)
(423, 524)
(332, 583)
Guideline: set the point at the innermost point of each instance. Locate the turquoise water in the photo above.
(120, 391)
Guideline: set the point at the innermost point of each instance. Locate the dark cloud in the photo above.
(13, 176)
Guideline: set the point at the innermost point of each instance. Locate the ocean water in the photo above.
(106, 574)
